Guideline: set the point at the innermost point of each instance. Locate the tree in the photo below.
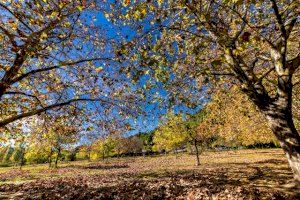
(103, 148)
(19, 138)
(20, 150)
(51, 135)
(129, 145)
(236, 120)
(171, 134)
(7, 154)
(198, 132)
(147, 141)
(83, 152)
(253, 44)
(37, 153)
(52, 56)
(60, 134)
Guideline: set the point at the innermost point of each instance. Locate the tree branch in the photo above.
(21, 77)
(294, 63)
(222, 74)
(279, 19)
(40, 110)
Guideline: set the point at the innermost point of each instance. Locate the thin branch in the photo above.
(16, 16)
(243, 26)
(266, 74)
(290, 26)
(254, 63)
(294, 63)
(279, 19)
(222, 74)
(297, 83)
(24, 94)
(10, 36)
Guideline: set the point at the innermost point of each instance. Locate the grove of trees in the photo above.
(63, 73)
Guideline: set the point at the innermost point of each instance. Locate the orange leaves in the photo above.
(126, 2)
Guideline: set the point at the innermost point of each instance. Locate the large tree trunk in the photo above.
(281, 123)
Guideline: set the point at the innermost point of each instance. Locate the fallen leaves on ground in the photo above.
(159, 178)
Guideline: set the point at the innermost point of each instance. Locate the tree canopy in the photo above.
(253, 44)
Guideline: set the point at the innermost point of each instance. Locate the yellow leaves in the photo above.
(160, 2)
(236, 2)
(43, 36)
(2, 37)
(106, 15)
(239, 50)
(80, 8)
(236, 119)
(67, 24)
(13, 24)
(54, 14)
(61, 4)
(171, 134)
(90, 128)
(99, 69)
(138, 13)
(32, 22)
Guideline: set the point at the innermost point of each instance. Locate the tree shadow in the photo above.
(256, 180)
(162, 185)
(99, 166)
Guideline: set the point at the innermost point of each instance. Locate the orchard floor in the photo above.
(240, 174)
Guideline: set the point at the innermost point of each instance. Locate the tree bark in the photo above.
(58, 155)
(280, 120)
(89, 153)
(22, 158)
(50, 158)
(197, 152)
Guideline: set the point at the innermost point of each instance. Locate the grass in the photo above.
(264, 170)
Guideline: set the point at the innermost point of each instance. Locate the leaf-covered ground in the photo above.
(242, 174)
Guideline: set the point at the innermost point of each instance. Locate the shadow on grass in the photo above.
(165, 185)
(257, 180)
(98, 166)
(271, 174)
